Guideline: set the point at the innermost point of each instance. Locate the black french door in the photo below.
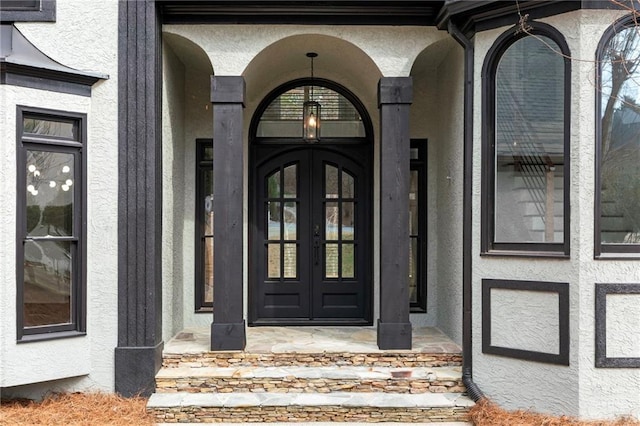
(311, 238)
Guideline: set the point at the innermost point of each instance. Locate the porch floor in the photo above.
(312, 340)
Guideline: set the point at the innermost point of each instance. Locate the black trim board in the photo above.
(562, 357)
(602, 361)
(139, 198)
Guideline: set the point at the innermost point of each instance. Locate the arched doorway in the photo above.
(311, 245)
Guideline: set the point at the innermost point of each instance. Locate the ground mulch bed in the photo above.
(486, 413)
(76, 409)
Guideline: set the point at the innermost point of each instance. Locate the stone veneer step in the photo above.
(296, 379)
(308, 407)
(379, 359)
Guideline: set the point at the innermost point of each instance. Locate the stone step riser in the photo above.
(242, 359)
(302, 385)
(309, 414)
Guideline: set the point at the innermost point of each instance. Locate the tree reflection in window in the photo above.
(619, 148)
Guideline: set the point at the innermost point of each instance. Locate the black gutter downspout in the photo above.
(467, 214)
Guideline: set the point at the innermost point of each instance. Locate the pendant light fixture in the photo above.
(311, 112)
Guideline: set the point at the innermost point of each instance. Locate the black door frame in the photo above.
(356, 151)
(262, 149)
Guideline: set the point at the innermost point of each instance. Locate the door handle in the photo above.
(316, 244)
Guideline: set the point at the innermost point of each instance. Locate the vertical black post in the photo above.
(394, 98)
(138, 355)
(228, 327)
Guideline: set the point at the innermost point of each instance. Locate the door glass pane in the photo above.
(348, 261)
(331, 221)
(273, 260)
(273, 221)
(331, 261)
(290, 181)
(273, 185)
(208, 270)
(290, 221)
(331, 181)
(290, 261)
(413, 203)
(347, 220)
(348, 186)
(47, 283)
(50, 182)
(413, 271)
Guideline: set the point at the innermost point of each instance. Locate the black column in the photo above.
(228, 327)
(394, 99)
(138, 355)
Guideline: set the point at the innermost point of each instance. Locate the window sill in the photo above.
(533, 254)
(28, 338)
(617, 256)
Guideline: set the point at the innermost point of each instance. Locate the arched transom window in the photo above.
(283, 117)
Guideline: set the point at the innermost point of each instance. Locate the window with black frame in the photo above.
(618, 142)
(526, 144)
(204, 225)
(50, 224)
(418, 226)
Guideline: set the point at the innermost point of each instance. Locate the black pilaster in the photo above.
(228, 327)
(139, 351)
(394, 98)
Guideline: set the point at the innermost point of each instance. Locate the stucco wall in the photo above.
(173, 191)
(449, 186)
(84, 37)
(580, 388)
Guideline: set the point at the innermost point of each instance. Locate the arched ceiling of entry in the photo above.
(189, 53)
(286, 60)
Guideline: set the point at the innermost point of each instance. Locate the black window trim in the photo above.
(420, 165)
(500, 46)
(45, 13)
(77, 327)
(617, 251)
(200, 305)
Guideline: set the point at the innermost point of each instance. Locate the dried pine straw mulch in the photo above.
(486, 413)
(76, 409)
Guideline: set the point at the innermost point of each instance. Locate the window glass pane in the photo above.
(413, 271)
(46, 127)
(290, 181)
(414, 154)
(283, 117)
(21, 4)
(347, 220)
(208, 270)
(529, 153)
(331, 261)
(331, 181)
(273, 221)
(331, 221)
(50, 178)
(208, 201)
(413, 203)
(47, 288)
(207, 153)
(273, 260)
(348, 261)
(290, 261)
(620, 150)
(273, 185)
